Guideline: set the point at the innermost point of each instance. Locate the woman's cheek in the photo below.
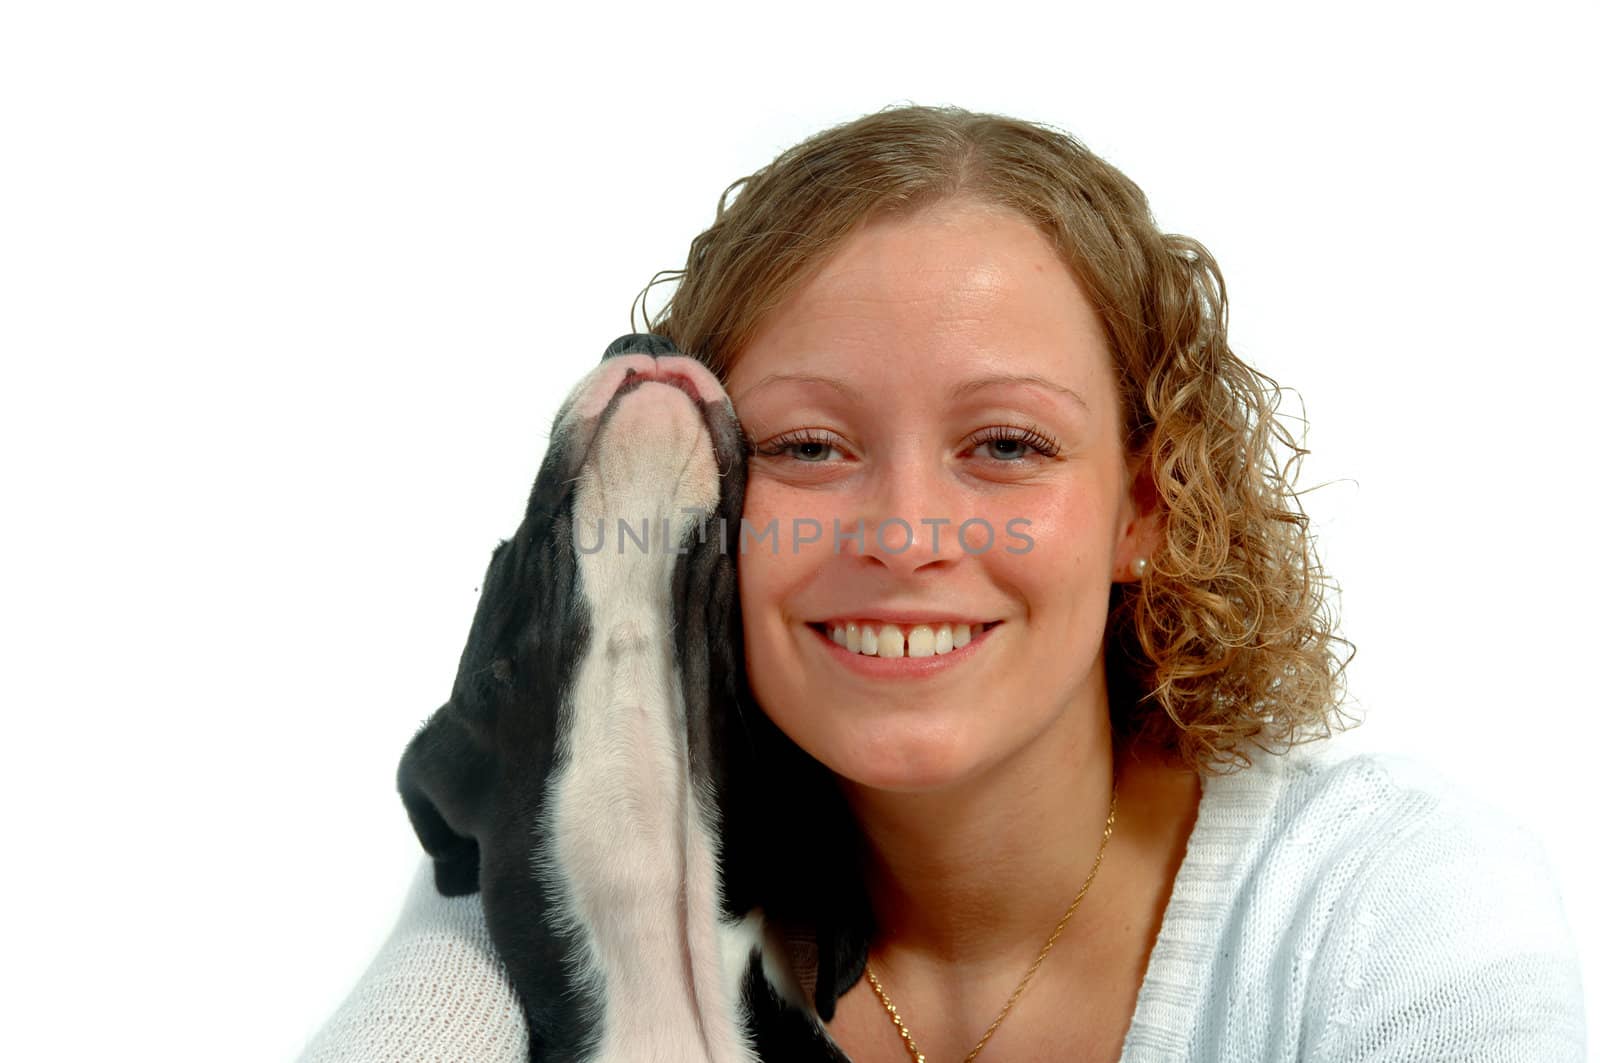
(754, 571)
(787, 524)
(768, 563)
(1044, 539)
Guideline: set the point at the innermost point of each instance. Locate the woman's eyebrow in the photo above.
(966, 388)
(960, 391)
(801, 378)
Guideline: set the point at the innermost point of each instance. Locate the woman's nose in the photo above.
(907, 518)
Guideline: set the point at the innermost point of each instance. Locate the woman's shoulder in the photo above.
(1338, 905)
(1450, 937)
(1360, 839)
(435, 990)
(1327, 807)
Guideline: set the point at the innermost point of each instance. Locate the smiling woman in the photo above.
(1058, 634)
(929, 318)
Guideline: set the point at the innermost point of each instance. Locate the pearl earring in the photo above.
(1139, 567)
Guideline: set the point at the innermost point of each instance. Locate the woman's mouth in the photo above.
(872, 639)
(890, 648)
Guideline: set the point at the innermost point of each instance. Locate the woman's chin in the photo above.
(907, 766)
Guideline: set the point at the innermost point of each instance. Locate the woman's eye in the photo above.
(809, 451)
(805, 447)
(1006, 449)
(1009, 444)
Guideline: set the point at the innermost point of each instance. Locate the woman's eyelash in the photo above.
(1027, 434)
(1033, 437)
(800, 437)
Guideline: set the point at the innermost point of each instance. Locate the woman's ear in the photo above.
(1141, 521)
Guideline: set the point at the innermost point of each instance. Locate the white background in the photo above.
(289, 293)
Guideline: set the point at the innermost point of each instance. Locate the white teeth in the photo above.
(891, 640)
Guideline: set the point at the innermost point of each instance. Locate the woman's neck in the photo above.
(976, 875)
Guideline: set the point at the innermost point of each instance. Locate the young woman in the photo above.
(1065, 667)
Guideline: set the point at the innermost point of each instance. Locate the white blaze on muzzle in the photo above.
(627, 827)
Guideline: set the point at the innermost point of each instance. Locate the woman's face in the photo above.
(945, 368)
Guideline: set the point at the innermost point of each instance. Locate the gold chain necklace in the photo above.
(899, 1024)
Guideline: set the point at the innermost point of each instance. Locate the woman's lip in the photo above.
(902, 622)
(903, 667)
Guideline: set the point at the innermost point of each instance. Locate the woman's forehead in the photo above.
(964, 348)
(943, 292)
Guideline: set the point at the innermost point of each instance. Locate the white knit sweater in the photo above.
(1329, 908)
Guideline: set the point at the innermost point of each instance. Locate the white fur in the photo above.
(670, 972)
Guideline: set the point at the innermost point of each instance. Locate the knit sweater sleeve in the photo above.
(436, 990)
(1452, 944)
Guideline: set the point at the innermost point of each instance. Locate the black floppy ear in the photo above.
(811, 867)
(448, 770)
(443, 781)
(843, 913)
(841, 959)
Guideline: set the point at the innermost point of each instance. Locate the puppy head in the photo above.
(641, 446)
(647, 434)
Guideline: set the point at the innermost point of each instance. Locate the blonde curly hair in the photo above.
(1228, 642)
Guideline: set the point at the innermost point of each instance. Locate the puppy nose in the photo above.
(639, 343)
(656, 358)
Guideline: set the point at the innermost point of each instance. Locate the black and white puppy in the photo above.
(664, 875)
